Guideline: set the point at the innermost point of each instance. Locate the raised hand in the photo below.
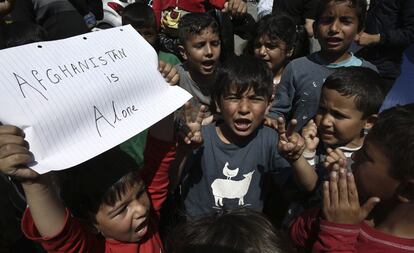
(169, 73)
(15, 154)
(235, 7)
(335, 159)
(340, 199)
(270, 122)
(310, 134)
(291, 144)
(192, 132)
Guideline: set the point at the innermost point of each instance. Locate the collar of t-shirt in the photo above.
(351, 61)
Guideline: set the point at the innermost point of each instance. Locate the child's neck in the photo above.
(399, 222)
(334, 58)
(278, 75)
(201, 80)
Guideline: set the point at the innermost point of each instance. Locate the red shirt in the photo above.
(308, 232)
(187, 5)
(74, 238)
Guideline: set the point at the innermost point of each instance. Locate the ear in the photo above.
(370, 121)
(315, 30)
(405, 192)
(290, 53)
(217, 107)
(183, 52)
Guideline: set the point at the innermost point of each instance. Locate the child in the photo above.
(142, 18)
(115, 212)
(200, 48)
(240, 230)
(227, 170)
(336, 25)
(368, 209)
(350, 100)
(273, 42)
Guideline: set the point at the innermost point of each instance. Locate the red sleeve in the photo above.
(335, 237)
(158, 156)
(304, 229)
(71, 239)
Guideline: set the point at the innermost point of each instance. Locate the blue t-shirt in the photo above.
(228, 176)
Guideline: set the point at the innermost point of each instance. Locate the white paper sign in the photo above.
(78, 97)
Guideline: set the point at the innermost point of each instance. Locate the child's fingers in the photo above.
(339, 153)
(291, 127)
(326, 196)
(10, 149)
(200, 115)
(10, 163)
(368, 206)
(333, 188)
(352, 190)
(11, 130)
(343, 187)
(281, 128)
(13, 139)
(161, 66)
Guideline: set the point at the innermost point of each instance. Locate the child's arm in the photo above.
(291, 146)
(45, 207)
(342, 213)
(310, 134)
(158, 155)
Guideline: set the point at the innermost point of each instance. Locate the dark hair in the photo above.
(276, 27)
(360, 7)
(195, 23)
(394, 131)
(139, 15)
(22, 32)
(363, 83)
(244, 72)
(235, 231)
(101, 180)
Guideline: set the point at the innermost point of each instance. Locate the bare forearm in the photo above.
(45, 206)
(305, 174)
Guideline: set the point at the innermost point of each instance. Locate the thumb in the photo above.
(368, 206)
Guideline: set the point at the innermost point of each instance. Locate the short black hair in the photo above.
(103, 179)
(276, 27)
(394, 131)
(235, 231)
(139, 15)
(363, 83)
(244, 72)
(360, 7)
(195, 23)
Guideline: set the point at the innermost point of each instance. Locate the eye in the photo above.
(232, 97)
(199, 45)
(215, 43)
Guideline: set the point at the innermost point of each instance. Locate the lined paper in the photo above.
(78, 97)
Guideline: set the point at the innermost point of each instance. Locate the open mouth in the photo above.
(242, 124)
(208, 64)
(141, 229)
(333, 40)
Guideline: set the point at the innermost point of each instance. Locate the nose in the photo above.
(262, 50)
(326, 120)
(208, 52)
(244, 106)
(335, 26)
(139, 210)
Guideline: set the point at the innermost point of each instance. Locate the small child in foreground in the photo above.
(369, 209)
(114, 212)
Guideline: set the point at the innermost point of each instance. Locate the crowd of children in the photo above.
(311, 125)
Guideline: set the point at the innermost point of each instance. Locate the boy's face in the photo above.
(274, 53)
(202, 51)
(371, 171)
(149, 34)
(338, 120)
(242, 114)
(336, 29)
(128, 219)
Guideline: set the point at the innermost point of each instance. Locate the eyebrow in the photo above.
(116, 209)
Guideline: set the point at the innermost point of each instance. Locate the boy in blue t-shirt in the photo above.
(337, 24)
(228, 168)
